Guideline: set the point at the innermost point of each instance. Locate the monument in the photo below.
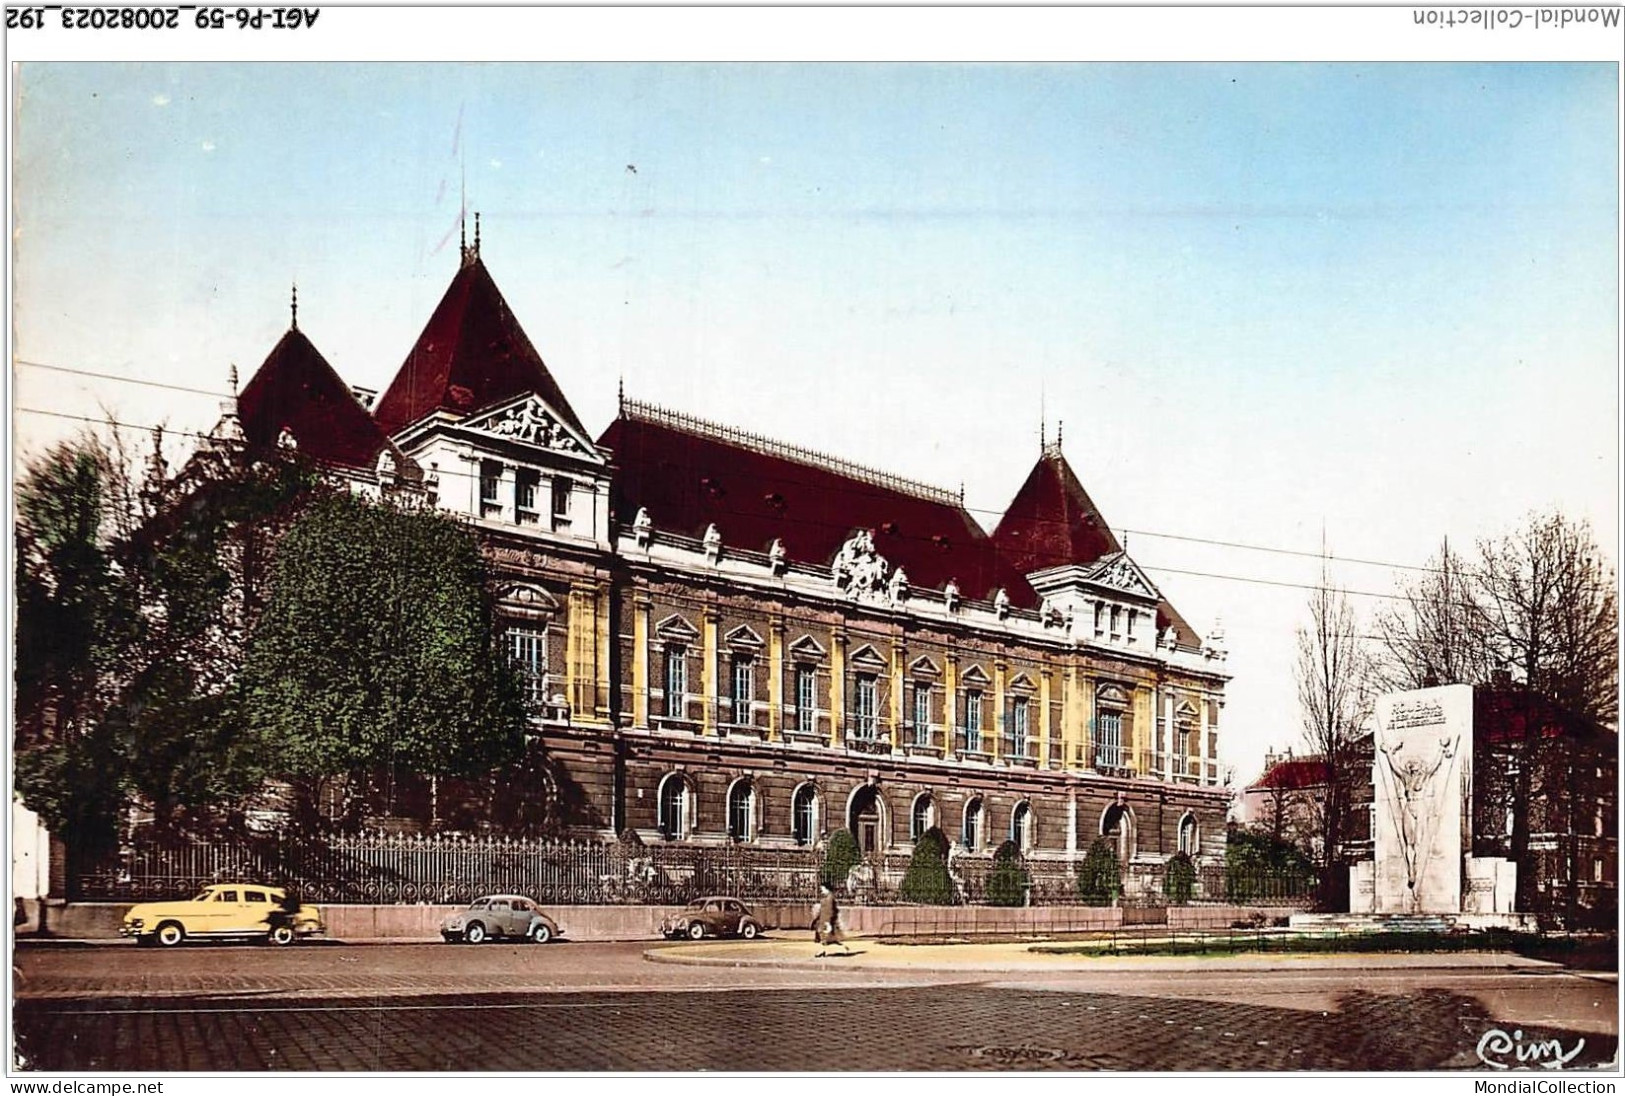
(1422, 780)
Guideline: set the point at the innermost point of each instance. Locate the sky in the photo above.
(1352, 308)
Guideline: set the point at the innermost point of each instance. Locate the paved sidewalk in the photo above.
(1018, 956)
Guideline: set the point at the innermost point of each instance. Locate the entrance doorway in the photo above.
(865, 821)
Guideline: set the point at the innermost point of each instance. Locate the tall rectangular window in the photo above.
(973, 720)
(1109, 740)
(561, 501)
(865, 724)
(528, 649)
(676, 683)
(527, 482)
(806, 699)
(922, 714)
(490, 484)
(744, 690)
(1182, 739)
(1018, 726)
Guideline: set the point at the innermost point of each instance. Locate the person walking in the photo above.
(827, 922)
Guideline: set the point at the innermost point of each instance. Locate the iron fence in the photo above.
(440, 869)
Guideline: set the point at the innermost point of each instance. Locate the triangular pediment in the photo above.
(924, 667)
(744, 636)
(807, 649)
(1024, 683)
(675, 629)
(1186, 710)
(975, 675)
(868, 658)
(1118, 572)
(529, 420)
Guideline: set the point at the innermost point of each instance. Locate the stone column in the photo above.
(1170, 732)
(898, 655)
(708, 671)
(950, 702)
(1001, 718)
(642, 606)
(775, 680)
(1043, 717)
(837, 686)
(1202, 779)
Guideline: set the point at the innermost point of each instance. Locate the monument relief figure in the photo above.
(1411, 776)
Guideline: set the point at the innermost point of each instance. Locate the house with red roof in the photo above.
(733, 638)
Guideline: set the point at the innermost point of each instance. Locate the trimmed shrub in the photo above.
(1098, 876)
(927, 880)
(840, 858)
(1179, 879)
(1007, 883)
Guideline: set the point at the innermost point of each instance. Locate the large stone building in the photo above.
(730, 639)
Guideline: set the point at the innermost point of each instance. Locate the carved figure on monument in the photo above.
(1001, 603)
(776, 556)
(643, 526)
(950, 595)
(713, 543)
(1411, 776)
(897, 588)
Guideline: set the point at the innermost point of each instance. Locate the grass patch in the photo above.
(1241, 943)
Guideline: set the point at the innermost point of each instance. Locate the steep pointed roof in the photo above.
(296, 390)
(1052, 521)
(472, 354)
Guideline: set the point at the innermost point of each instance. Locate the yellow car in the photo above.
(223, 911)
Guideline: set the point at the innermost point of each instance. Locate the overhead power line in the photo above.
(474, 475)
(989, 511)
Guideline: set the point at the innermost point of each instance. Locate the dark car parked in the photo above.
(715, 916)
(501, 916)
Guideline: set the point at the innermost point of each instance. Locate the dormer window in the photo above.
(1133, 616)
(1117, 622)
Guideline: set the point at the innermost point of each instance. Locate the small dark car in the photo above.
(499, 916)
(715, 916)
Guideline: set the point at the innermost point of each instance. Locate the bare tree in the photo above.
(1334, 681)
(1436, 635)
(1547, 611)
(1546, 605)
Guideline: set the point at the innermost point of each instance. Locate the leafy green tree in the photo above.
(840, 858)
(1179, 879)
(927, 880)
(377, 649)
(76, 620)
(1098, 877)
(1257, 865)
(134, 595)
(1008, 881)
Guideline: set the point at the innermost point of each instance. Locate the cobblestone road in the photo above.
(960, 1027)
(604, 1007)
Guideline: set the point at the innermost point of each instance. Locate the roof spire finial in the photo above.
(1043, 423)
(231, 377)
(620, 394)
(294, 307)
(1059, 426)
(476, 234)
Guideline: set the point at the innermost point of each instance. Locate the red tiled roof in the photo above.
(690, 478)
(297, 390)
(1512, 714)
(1293, 774)
(472, 354)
